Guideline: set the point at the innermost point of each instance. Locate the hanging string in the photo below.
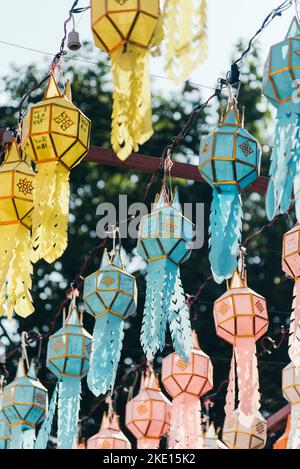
(24, 338)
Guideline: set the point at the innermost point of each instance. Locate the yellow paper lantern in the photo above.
(16, 206)
(56, 137)
(126, 30)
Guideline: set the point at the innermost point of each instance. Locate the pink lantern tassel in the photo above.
(294, 339)
(294, 435)
(186, 430)
(248, 379)
(148, 443)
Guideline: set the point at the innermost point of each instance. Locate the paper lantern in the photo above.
(4, 425)
(110, 295)
(291, 267)
(282, 442)
(25, 403)
(291, 392)
(16, 205)
(148, 414)
(68, 356)
(237, 435)
(110, 436)
(55, 135)
(241, 318)
(125, 31)
(186, 383)
(165, 241)
(282, 87)
(230, 162)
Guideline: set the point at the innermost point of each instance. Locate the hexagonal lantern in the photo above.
(291, 252)
(110, 436)
(116, 23)
(4, 426)
(25, 400)
(282, 70)
(148, 414)
(291, 392)
(240, 312)
(238, 436)
(165, 241)
(110, 295)
(69, 348)
(55, 129)
(186, 382)
(16, 188)
(110, 290)
(230, 157)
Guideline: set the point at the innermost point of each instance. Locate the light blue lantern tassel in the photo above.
(16, 437)
(180, 325)
(45, 431)
(165, 301)
(28, 439)
(68, 412)
(225, 234)
(106, 351)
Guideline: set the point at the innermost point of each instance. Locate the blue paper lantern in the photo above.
(68, 358)
(165, 241)
(230, 161)
(4, 427)
(110, 296)
(25, 403)
(282, 87)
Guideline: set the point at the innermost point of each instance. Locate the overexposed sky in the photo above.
(38, 24)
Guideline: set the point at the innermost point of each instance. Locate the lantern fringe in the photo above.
(44, 190)
(148, 443)
(16, 437)
(28, 439)
(132, 109)
(19, 282)
(107, 344)
(185, 19)
(68, 412)
(294, 338)
(165, 301)
(294, 433)
(58, 222)
(45, 430)
(285, 165)
(9, 235)
(185, 430)
(225, 234)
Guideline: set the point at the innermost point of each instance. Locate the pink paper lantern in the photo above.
(237, 435)
(148, 414)
(241, 318)
(240, 313)
(110, 436)
(186, 382)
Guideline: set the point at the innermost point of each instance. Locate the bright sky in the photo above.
(38, 24)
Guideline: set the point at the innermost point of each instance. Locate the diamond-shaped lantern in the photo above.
(148, 414)
(119, 22)
(16, 188)
(230, 156)
(282, 73)
(240, 312)
(25, 400)
(165, 241)
(69, 348)
(291, 252)
(55, 129)
(186, 382)
(239, 436)
(110, 436)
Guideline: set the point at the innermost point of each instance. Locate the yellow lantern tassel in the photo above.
(8, 239)
(132, 110)
(58, 223)
(185, 36)
(44, 188)
(19, 280)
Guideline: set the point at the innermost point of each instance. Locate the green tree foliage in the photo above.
(93, 184)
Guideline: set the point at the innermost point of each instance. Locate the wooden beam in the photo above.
(149, 164)
(276, 419)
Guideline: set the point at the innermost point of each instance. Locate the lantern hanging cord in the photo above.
(271, 16)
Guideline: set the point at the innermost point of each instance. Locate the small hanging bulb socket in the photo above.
(74, 43)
